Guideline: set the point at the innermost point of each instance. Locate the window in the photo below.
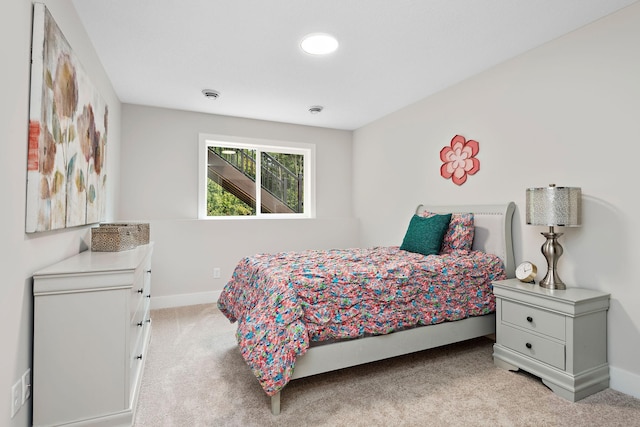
(244, 177)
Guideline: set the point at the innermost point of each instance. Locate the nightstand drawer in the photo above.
(533, 346)
(534, 319)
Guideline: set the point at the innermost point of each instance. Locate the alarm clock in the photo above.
(526, 272)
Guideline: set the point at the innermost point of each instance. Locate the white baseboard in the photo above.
(624, 381)
(184, 299)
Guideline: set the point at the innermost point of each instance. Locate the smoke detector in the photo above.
(211, 94)
(315, 109)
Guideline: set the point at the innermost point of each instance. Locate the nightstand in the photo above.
(557, 335)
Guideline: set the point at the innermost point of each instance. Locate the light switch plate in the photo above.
(26, 385)
(16, 397)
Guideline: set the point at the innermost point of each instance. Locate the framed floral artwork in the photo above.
(68, 121)
(459, 159)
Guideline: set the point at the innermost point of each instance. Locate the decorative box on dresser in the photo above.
(91, 332)
(557, 335)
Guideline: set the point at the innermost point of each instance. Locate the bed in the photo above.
(305, 313)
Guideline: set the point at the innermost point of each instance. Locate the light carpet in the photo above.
(195, 376)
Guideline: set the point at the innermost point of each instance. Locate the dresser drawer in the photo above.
(135, 365)
(136, 328)
(137, 293)
(533, 319)
(534, 346)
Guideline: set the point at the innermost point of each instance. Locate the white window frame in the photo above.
(307, 150)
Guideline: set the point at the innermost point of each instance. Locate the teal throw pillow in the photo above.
(424, 235)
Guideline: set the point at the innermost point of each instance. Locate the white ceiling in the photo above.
(392, 52)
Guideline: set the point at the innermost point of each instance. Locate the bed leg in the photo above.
(275, 404)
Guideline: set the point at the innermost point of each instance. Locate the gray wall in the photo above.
(160, 183)
(23, 254)
(565, 113)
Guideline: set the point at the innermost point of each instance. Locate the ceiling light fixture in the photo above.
(210, 93)
(316, 109)
(319, 44)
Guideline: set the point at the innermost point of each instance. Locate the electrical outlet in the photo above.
(16, 397)
(216, 273)
(26, 385)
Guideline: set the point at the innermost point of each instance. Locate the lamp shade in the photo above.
(554, 206)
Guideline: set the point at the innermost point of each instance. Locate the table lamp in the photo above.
(554, 207)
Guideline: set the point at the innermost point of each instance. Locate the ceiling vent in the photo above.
(210, 93)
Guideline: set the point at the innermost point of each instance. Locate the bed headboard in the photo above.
(492, 229)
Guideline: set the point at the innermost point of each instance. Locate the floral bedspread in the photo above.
(284, 301)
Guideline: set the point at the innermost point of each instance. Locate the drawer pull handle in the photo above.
(140, 323)
(528, 345)
(140, 291)
(149, 296)
(529, 319)
(149, 271)
(139, 357)
(148, 320)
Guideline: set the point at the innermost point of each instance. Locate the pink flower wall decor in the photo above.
(459, 159)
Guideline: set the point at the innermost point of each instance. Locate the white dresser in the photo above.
(91, 331)
(559, 336)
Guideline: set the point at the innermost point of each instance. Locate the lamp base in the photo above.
(552, 250)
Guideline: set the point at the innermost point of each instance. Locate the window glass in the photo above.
(231, 176)
(282, 183)
(244, 178)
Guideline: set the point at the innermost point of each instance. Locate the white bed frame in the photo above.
(492, 235)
